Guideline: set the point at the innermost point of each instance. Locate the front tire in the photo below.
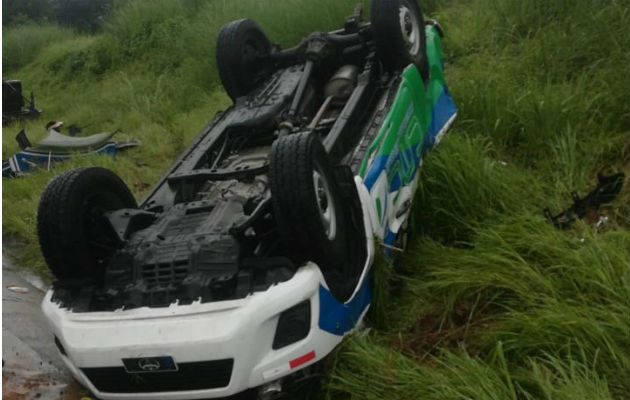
(306, 201)
(74, 236)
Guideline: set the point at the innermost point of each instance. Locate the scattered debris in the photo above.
(59, 147)
(608, 186)
(17, 289)
(601, 222)
(13, 102)
(20, 384)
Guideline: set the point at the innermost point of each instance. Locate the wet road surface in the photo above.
(32, 368)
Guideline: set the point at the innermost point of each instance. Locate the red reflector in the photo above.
(302, 359)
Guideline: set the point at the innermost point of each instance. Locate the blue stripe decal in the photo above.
(373, 174)
(338, 318)
(443, 110)
(390, 239)
(375, 170)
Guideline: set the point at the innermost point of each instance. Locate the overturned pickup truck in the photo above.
(251, 258)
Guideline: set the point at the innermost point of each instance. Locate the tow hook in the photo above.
(270, 391)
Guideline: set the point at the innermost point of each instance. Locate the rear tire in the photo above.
(306, 201)
(242, 48)
(74, 236)
(399, 34)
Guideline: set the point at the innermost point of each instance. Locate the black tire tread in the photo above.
(290, 179)
(60, 239)
(44, 211)
(388, 39)
(228, 56)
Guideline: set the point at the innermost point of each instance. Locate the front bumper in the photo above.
(240, 330)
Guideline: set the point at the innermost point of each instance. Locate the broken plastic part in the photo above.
(608, 186)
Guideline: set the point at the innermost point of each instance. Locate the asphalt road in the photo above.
(32, 368)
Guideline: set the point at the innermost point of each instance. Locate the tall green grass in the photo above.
(490, 301)
(498, 304)
(368, 369)
(21, 45)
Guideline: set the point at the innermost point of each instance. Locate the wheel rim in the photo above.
(326, 205)
(410, 28)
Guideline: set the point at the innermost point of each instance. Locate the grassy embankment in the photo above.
(497, 304)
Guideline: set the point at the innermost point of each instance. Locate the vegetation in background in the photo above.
(22, 44)
(495, 302)
(16, 12)
(82, 15)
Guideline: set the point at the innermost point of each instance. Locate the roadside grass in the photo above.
(369, 369)
(21, 45)
(490, 301)
(497, 303)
